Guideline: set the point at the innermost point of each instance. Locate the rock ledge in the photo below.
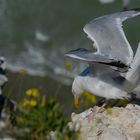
(117, 123)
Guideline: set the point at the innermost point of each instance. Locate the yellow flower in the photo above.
(33, 103)
(29, 103)
(35, 92)
(26, 102)
(89, 96)
(67, 65)
(29, 92)
(32, 92)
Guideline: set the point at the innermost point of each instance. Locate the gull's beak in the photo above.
(76, 102)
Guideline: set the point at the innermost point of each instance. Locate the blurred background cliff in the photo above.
(35, 35)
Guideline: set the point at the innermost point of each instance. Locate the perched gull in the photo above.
(103, 81)
(114, 50)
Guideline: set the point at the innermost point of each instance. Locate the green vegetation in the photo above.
(40, 118)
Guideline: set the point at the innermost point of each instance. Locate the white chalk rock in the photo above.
(117, 123)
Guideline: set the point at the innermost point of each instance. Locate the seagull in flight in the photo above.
(114, 54)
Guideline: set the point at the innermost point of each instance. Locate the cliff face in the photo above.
(116, 123)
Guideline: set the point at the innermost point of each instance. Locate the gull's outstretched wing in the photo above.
(109, 37)
(88, 56)
(134, 74)
(91, 57)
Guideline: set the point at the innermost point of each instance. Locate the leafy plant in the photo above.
(42, 119)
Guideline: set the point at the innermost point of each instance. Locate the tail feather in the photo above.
(134, 74)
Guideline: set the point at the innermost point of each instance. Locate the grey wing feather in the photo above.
(134, 74)
(85, 55)
(91, 57)
(109, 37)
(107, 74)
